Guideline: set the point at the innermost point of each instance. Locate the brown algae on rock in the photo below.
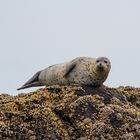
(71, 112)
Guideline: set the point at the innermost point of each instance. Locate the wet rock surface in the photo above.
(71, 113)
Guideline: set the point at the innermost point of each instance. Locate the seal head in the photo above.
(102, 64)
(102, 68)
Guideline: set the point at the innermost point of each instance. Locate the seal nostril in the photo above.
(100, 64)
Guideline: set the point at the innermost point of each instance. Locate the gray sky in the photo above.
(35, 34)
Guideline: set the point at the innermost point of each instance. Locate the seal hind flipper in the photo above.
(69, 69)
(34, 81)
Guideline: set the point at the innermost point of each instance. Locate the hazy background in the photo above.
(37, 33)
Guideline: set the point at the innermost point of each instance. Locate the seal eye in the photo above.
(105, 61)
(98, 61)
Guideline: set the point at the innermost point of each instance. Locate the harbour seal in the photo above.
(81, 71)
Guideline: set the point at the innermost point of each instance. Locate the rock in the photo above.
(70, 113)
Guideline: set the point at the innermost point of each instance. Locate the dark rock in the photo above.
(71, 113)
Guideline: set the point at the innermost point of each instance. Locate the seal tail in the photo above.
(33, 82)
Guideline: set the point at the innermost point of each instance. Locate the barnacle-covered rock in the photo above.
(71, 112)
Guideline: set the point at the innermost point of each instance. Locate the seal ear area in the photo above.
(69, 69)
(31, 82)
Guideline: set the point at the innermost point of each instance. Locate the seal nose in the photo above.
(100, 64)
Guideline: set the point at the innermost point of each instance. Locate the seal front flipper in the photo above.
(33, 82)
(69, 69)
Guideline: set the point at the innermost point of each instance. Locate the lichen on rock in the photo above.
(71, 112)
